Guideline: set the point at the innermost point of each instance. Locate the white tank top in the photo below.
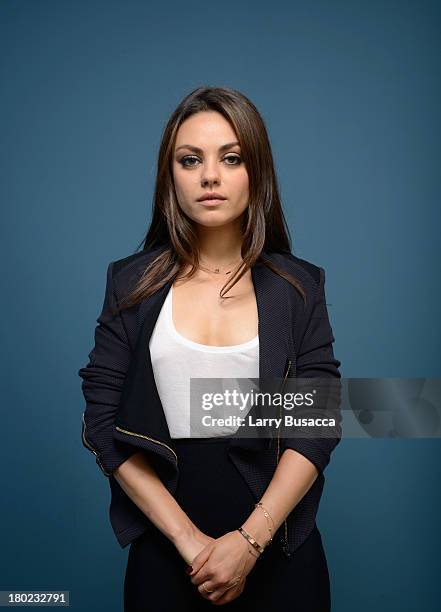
(176, 359)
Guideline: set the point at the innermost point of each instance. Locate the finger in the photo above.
(199, 560)
(209, 591)
(202, 576)
(231, 594)
(206, 590)
(221, 591)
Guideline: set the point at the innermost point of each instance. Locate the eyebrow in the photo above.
(198, 150)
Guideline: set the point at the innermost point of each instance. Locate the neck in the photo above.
(220, 245)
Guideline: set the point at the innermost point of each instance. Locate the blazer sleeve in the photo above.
(103, 379)
(315, 359)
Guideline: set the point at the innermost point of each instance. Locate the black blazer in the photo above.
(123, 410)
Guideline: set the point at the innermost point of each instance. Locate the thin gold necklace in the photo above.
(217, 270)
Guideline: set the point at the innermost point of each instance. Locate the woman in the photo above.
(215, 293)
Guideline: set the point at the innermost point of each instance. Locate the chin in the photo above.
(212, 220)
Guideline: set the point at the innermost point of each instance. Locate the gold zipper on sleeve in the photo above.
(138, 435)
(90, 447)
(85, 441)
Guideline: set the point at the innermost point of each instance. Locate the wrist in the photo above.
(184, 533)
(257, 528)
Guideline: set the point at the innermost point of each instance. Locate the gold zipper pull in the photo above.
(90, 447)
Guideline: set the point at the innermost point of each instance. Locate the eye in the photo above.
(186, 162)
(237, 159)
(185, 159)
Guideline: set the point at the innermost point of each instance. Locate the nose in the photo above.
(210, 175)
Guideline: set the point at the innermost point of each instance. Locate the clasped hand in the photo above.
(221, 566)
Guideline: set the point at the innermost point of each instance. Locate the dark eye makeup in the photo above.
(183, 161)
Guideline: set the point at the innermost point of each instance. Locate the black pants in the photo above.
(217, 499)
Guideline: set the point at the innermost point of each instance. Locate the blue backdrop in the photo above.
(350, 94)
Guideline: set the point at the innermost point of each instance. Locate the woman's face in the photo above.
(206, 159)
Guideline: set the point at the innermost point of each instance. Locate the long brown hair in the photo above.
(263, 224)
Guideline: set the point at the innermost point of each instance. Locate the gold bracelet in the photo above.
(251, 552)
(251, 540)
(267, 516)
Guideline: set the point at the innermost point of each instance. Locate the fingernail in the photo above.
(189, 569)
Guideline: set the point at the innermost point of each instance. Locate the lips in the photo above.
(211, 196)
(211, 202)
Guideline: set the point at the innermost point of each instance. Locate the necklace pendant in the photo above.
(216, 270)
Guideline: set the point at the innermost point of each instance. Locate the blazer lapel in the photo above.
(275, 338)
(140, 409)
